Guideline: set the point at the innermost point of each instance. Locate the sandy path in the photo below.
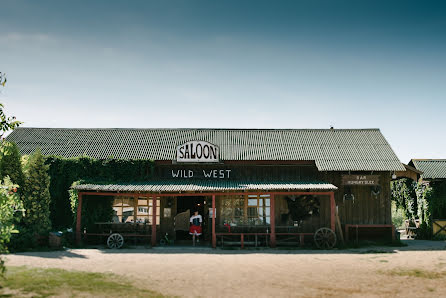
(196, 272)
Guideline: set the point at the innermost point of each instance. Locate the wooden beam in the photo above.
(338, 221)
(214, 237)
(153, 221)
(332, 212)
(273, 221)
(78, 219)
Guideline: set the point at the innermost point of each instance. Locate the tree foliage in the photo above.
(9, 204)
(7, 123)
(403, 194)
(415, 198)
(11, 164)
(9, 201)
(36, 195)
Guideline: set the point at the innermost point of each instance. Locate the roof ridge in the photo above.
(179, 128)
(428, 159)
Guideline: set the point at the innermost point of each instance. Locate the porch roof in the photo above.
(163, 186)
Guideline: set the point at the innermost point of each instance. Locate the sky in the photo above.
(230, 64)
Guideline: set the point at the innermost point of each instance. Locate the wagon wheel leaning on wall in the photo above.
(325, 238)
(115, 240)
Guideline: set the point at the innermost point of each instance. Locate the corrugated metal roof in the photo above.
(331, 149)
(431, 168)
(205, 185)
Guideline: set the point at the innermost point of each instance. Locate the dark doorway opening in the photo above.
(195, 203)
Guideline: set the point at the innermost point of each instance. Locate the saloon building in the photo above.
(251, 186)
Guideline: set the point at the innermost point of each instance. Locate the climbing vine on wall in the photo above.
(65, 171)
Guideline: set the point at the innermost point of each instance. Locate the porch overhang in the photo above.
(169, 186)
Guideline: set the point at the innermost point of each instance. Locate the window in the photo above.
(125, 210)
(246, 210)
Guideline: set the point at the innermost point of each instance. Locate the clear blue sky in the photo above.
(230, 64)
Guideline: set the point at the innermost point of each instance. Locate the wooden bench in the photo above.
(300, 236)
(242, 241)
(357, 227)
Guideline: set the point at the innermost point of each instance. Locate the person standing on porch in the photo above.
(195, 229)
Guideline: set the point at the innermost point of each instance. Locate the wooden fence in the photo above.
(439, 227)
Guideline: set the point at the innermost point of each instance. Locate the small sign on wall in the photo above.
(360, 180)
(167, 212)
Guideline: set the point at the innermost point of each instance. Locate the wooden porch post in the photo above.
(214, 238)
(78, 218)
(332, 212)
(273, 222)
(153, 220)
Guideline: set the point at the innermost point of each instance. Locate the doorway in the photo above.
(191, 204)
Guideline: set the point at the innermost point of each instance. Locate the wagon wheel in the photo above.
(325, 238)
(115, 241)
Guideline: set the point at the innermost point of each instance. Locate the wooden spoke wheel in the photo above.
(115, 240)
(325, 238)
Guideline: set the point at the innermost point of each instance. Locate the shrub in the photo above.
(36, 195)
(10, 163)
(9, 204)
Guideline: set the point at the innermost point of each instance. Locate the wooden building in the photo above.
(252, 186)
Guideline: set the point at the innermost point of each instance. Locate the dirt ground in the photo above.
(418, 270)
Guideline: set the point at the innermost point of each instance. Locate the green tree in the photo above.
(9, 201)
(9, 204)
(415, 199)
(7, 123)
(11, 164)
(36, 195)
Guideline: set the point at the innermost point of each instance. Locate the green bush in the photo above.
(36, 195)
(397, 216)
(417, 201)
(9, 205)
(10, 163)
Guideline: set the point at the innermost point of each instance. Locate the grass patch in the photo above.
(419, 273)
(39, 282)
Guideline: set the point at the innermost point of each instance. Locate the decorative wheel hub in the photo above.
(325, 238)
(115, 241)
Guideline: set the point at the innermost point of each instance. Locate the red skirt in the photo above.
(195, 230)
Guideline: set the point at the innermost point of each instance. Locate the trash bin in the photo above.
(55, 239)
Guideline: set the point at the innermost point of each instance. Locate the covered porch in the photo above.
(250, 212)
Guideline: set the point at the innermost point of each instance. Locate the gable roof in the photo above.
(331, 149)
(431, 168)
